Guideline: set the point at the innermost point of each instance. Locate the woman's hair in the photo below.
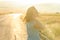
(31, 14)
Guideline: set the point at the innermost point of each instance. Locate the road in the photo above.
(12, 27)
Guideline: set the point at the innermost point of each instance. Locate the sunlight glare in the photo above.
(16, 15)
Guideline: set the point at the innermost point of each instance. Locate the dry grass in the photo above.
(52, 24)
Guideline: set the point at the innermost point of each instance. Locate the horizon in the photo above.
(15, 6)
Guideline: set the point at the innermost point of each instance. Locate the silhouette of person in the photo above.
(32, 24)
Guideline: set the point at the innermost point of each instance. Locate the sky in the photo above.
(33, 1)
(48, 8)
(41, 5)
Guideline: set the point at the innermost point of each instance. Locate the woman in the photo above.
(32, 24)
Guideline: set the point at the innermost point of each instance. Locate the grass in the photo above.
(52, 22)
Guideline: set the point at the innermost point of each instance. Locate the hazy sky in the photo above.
(33, 1)
(43, 5)
(48, 8)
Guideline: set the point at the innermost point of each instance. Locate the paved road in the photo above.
(12, 27)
